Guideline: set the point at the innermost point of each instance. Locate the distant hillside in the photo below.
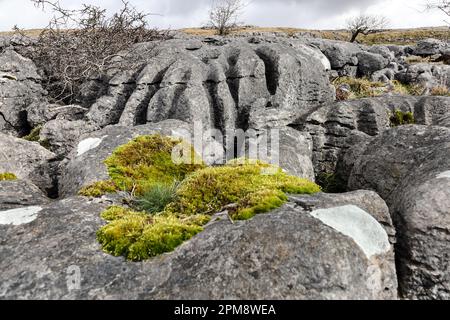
(392, 36)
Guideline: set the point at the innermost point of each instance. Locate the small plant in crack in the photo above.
(155, 199)
(400, 118)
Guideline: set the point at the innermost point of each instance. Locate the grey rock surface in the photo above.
(20, 193)
(370, 62)
(421, 210)
(43, 112)
(234, 84)
(409, 167)
(28, 161)
(291, 150)
(19, 88)
(63, 135)
(427, 75)
(332, 125)
(286, 254)
(394, 155)
(339, 53)
(429, 47)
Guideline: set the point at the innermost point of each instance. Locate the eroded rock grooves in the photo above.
(388, 243)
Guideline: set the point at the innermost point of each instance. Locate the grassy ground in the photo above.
(30, 32)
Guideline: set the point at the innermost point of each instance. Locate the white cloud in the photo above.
(325, 14)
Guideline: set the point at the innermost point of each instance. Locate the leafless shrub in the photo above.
(443, 5)
(366, 24)
(80, 45)
(224, 15)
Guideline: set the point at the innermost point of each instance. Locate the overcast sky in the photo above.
(174, 14)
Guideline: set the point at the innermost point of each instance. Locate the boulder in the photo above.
(384, 51)
(369, 62)
(29, 161)
(426, 75)
(409, 167)
(395, 154)
(335, 127)
(20, 193)
(432, 111)
(63, 135)
(84, 165)
(339, 53)
(430, 47)
(421, 211)
(288, 148)
(330, 126)
(45, 250)
(334, 248)
(289, 261)
(385, 75)
(19, 88)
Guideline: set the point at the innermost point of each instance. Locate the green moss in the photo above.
(209, 190)
(45, 143)
(98, 189)
(167, 214)
(7, 176)
(400, 118)
(138, 236)
(116, 213)
(146, 161)
(259, 202)
(34, 134)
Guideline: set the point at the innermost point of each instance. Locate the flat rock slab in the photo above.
(20, 193)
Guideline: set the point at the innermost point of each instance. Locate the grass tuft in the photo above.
(400, 118)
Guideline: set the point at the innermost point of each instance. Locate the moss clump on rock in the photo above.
(400, 118)
(183, 209)
(7, 176)
(98, 189)
(147, 160)
(34, 135)
(209, 190)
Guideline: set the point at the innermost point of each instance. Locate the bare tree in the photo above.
(224, 15)
(366, 24)
(443, 5)
(79, 45)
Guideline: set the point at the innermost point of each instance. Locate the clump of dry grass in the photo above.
(440, 91)
(348, 88)
(417, 59)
